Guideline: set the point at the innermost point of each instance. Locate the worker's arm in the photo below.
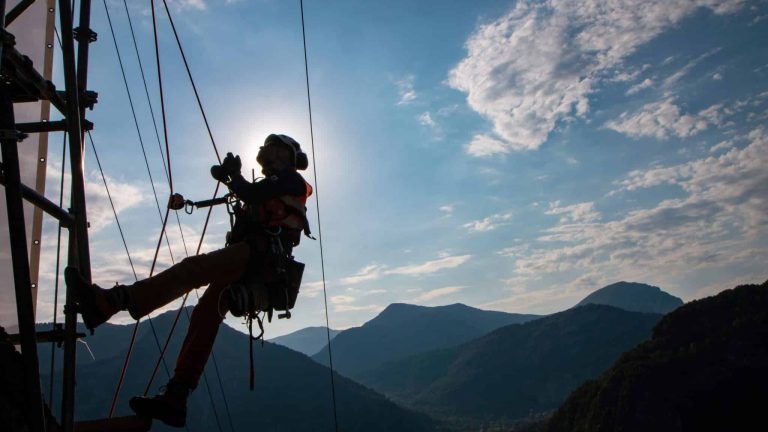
(289, 183)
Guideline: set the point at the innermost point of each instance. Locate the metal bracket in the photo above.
(56, 336)
(12, 134)
(88, 99)
(87, 34)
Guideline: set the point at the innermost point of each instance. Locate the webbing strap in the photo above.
(251, 338)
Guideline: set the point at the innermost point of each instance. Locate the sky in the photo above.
(511, 156)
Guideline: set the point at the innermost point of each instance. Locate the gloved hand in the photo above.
(230, 166)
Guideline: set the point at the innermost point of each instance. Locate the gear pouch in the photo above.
(284, 291)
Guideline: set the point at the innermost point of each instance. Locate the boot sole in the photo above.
(85, 299)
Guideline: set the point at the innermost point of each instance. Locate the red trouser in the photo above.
(217, 269)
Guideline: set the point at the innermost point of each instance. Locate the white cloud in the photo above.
(717, 76)
(311, 289)
(447, 209)
(405, 89)
(637, 88)
(664, 118)
(342, 303)
(537, 64)
(581, 212)
(430, 266)
(722, 145)
(425, 119)
(180, 5)
(342, 299)
(124, 195)
(373, 308)
(437, 292)
(375, 271)
(367, 273)
(485, 145)
(489, 223)
(673, 79)
(724, 209)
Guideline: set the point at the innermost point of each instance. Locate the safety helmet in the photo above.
(300, 160)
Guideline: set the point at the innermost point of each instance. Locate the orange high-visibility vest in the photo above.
(287, 211)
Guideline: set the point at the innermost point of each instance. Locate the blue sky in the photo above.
(507, 155)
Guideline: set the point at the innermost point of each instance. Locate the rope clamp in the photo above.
(176, 202)
(80, 34)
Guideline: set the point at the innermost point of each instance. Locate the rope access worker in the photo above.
(240, 277)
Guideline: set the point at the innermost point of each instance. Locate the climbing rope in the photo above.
(215, 148)
(317, 210)
(117, 220)
(191, 80)
(162, 233)
(169, 177)
(133, 269)
(168, 171)
(136, 123)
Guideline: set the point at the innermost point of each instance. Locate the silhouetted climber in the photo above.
(254, 272)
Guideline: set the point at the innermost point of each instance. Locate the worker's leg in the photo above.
(220, 267)
(203, 327)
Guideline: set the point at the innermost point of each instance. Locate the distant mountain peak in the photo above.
(634, 296)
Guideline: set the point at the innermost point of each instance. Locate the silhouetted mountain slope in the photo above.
(635, 297)
(402, 330)
(102, 347)
(292, 392)
(308, 340)
(515, 370)
(704, 368)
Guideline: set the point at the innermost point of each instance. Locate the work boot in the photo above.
(97, 305)
(170, 406)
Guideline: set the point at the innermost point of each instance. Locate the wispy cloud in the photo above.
(436, 293)
(425, 119)
(367, 273)
(125, 195)
(637, 88)
(343, 303)
(675, 78)
(665, 118)
(537, 64)
(724, 207)
(430, 266)
(447, 209)
(581, 212)
(405, 89)
(485, 145)
(489, 223)
(375, 271)
(180, 5)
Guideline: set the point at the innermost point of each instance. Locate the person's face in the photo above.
(273, 158)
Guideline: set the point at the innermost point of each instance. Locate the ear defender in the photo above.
(302, 162)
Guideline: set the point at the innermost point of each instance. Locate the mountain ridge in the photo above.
(516, 369)
(403, 329)
(705, 367)
(308, 340)
(633, 296)
(293, 392)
